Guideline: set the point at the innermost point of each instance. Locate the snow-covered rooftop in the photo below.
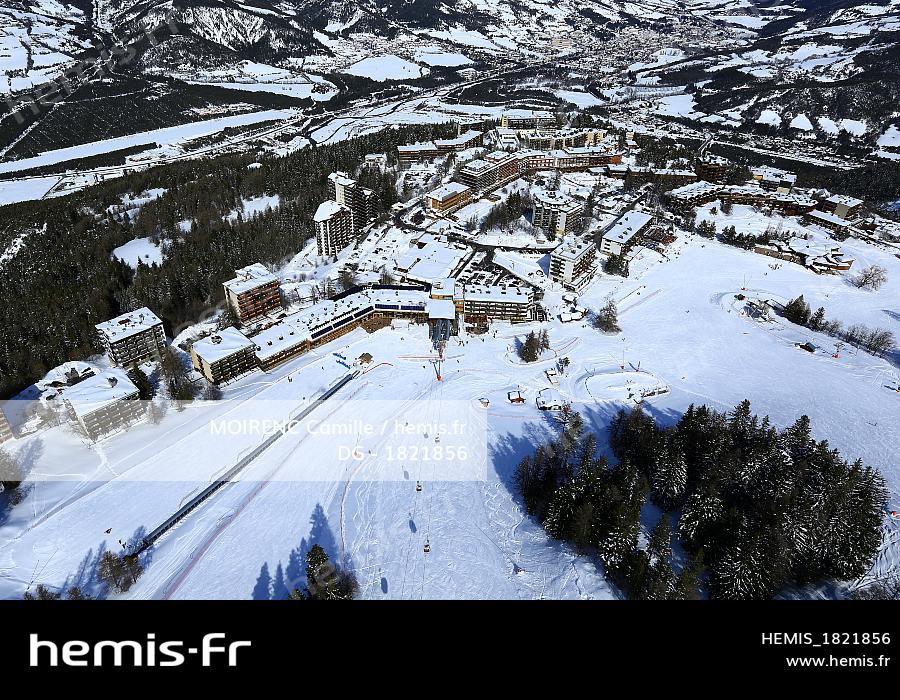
(327, 209)
(460, 140)
(828, 217)
(496, 293)
(281, 336)
(844, 199)
(128, 324)
(446, 191)
(221, 344)
(626, 227)
(99, 391)
(572, 249)
(441, 308)
(249, 278)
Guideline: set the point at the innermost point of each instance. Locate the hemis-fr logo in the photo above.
(213, 650)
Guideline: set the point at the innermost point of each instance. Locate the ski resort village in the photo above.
(405, 301)
(407, 388)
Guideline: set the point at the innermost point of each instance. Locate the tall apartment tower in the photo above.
(359, 200)
(334, 227)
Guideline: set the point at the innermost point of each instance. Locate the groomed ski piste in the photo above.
(684, 340)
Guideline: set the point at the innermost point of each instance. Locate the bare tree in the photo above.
(872, 277)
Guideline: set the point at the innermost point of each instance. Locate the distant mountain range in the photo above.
(749, 58)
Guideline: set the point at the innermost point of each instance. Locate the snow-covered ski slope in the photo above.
(681, 329)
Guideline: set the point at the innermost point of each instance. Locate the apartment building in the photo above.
(417, 152)
(253, 293)
(103, 403)
(774, 179)
(223, 356)
(482, 304)
(828, 220)
(557, 213)
(573, 263)
(842, 205)
(467, 139)
(625, 232)
(136, 336)
(358, 199)
(526, 119)
(448, 198)
(552, 139)
(494, 169)
(280, 342)
(712, 168)
(334, 228)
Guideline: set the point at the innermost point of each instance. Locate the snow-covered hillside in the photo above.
(681, 329)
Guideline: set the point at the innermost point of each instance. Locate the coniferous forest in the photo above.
(65, 279)
(752, 509)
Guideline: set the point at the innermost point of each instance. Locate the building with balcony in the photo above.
(556, 213)
(223, 356)
(253, 293)
(334, 228)
(136, 336)
(448, 198)
(573, 263)
(625, 232)
(104, 403)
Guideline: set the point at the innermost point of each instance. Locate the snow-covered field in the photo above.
(681, 329)
(381, 68)
(22, 190)
(142, 249)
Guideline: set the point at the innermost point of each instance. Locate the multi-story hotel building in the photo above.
(573, 263)
(224, 355)
(253, 293)
(414, 152)
(842, 205)
(482, 304)
(712, 168)
(136, 336)
(494, 169)
(557, 213)
(467, 139)
(334, 227)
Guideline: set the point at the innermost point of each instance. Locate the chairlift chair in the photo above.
(427, 547)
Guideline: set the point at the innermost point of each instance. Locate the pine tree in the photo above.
(797, 311)
(817, 321)
(688, 583)
(659, 544)
(668, 478)
(607, 318)
(530, 350)
(41, 592)
(144, 387)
